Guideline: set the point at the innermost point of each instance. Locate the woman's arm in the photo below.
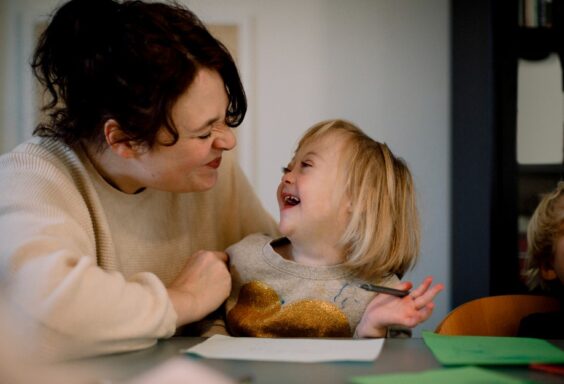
(50, 243)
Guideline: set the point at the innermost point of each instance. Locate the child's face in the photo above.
(311, 195)
(557, 270)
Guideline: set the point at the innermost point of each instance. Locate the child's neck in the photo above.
(310, 253)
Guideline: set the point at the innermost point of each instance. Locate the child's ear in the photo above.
(547, 272)
(118, 141)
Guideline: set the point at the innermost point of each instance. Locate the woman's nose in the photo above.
(226, 139)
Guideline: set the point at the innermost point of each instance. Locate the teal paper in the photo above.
(489, 350)
(464, 375)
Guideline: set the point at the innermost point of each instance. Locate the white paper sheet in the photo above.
(290, 350)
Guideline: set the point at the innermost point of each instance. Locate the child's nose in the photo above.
(288, 177)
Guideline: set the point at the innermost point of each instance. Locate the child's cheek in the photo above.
(559, 259)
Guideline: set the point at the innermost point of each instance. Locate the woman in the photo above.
(103, 213)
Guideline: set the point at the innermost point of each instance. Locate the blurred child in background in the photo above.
(545, 264)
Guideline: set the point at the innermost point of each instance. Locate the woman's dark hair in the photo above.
(129, 61)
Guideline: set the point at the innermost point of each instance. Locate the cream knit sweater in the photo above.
(84, 266)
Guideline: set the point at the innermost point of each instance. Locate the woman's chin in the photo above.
(204, 183)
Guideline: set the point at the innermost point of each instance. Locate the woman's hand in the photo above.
(387, 310)
(202, 285)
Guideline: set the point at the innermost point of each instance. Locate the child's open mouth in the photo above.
(291, 200)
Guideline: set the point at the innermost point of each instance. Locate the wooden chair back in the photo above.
(494, 315)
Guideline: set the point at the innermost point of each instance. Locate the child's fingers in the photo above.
(404, 286)
(427, 297)
(434, 291)
(420, 290)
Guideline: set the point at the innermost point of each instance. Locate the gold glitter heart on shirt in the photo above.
(259, 313)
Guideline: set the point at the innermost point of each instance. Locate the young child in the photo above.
(545, 264)
(348, 214)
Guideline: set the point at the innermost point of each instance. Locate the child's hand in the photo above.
(386, 310)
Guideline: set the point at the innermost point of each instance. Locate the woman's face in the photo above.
(191, 164)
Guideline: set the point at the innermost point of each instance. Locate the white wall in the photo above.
(18, 20)
(3, 64)
(383, 64)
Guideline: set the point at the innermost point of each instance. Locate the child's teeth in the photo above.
(292, 200)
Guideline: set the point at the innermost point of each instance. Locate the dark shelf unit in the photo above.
(490, 190)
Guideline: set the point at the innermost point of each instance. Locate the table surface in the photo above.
(398, 355)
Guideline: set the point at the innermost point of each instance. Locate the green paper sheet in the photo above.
(489, 350)
(464, 375)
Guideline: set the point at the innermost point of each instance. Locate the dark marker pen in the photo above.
(385, 290)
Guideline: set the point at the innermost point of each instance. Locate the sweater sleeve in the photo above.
(48, 267)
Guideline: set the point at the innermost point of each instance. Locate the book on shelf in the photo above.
(536, 13)
(540, 112)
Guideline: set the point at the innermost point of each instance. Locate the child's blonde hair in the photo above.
(545, 227)
(382, 236)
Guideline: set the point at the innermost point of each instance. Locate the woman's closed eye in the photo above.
(205, 135)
